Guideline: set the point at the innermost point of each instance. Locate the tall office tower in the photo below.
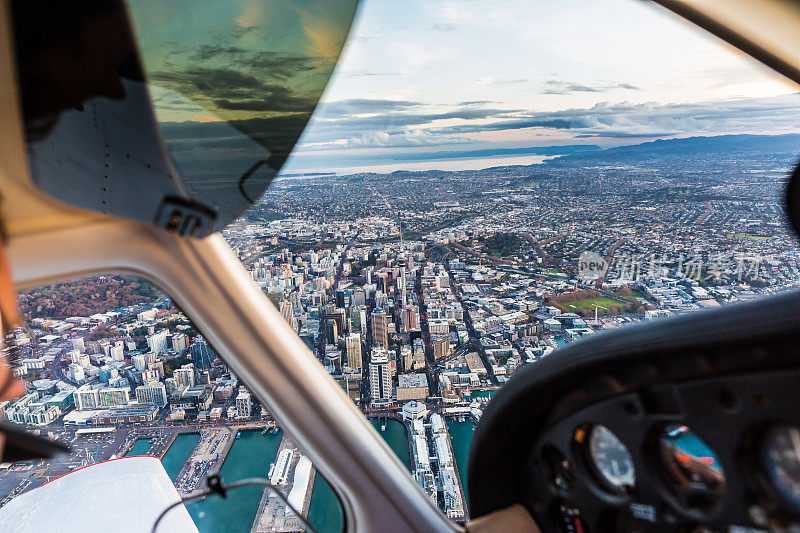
(410, 318)
(359, 297)
(202, 354)
(380, 377)
(287, 312)
(441, 347)
(116, 353)
(403, 287)
(78, 344)
(341, 321)
(179, 342)
(139, 362)
(383, 281)
(294, 299)
(331, 331)
(406, 357)
(354, 351)
(358, 317)
(380, 329)
(341, 298)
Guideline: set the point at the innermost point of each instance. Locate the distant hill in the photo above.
(758, 144)
(85, 297)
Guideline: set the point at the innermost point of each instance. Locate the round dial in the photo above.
(781, 458)
(611, 459)
(690, 462)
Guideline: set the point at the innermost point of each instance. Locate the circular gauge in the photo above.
(690, 462)
(780, 452)
(610, 458)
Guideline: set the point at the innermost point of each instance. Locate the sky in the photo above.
(438, 84)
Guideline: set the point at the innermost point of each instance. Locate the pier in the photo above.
(452, 470)
(293, 474)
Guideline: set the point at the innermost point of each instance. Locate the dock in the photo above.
(292, 474)
(206, 458)
(453, 470)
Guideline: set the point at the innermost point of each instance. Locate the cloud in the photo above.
(627, 120)
(494, 81)
(563, 87)
(364, 106)
(349, 125)
(444, 27)
(382, 139)
(233, 90)
(602, 120)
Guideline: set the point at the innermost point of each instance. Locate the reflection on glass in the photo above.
(781, 459)
(229, 87)
(611, 458)
(234, 84)
(690, 462)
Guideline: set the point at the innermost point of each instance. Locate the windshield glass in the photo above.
(483, 184)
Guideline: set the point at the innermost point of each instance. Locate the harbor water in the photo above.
(461, 438)
(325, 512)
(140, 447)
(249, 456)
(396, 436)
(178, 453)
(480, 394)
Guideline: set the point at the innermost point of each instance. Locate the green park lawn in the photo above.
(603, 301)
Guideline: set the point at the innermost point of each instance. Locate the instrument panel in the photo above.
(714, 454)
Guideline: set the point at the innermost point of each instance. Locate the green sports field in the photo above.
(603, 302)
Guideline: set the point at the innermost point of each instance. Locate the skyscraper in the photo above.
(243, 406)
(287, 312)
(354, 352)
(380, 330)
(331, 331)
(202, 354)
(158, 341)
(380, 377)
(410, 318)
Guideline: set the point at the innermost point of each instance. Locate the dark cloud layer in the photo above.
(603, 120)
(267, 64)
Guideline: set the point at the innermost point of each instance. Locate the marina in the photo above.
(179, 453)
